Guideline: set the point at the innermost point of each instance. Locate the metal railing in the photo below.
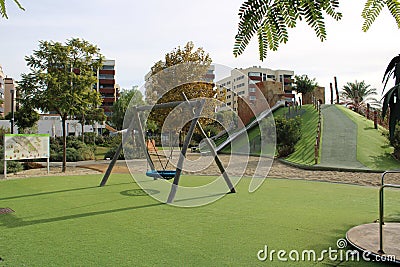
(381, 202)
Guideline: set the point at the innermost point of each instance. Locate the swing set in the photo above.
(196, 106)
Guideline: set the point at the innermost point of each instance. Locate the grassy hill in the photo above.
(373, 149)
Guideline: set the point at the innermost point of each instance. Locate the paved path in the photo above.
(339, 140)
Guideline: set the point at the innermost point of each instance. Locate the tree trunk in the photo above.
(83, 130)
(64, 163)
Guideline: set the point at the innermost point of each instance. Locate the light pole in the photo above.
(12, 110)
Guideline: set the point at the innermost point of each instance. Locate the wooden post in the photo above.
(337, 91)
(316, 151)
(330, 85)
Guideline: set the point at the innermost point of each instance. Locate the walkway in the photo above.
(339, 140)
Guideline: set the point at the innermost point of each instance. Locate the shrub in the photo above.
(86, 153)
(288, 133)
(110, 153)
(395, 141)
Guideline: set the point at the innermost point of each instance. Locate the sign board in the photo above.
(26, 146)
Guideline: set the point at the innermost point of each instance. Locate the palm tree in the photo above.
(391, 98)
(359, 94)
(270, 20)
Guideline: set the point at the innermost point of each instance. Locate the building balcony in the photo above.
(110, 72)
(108, 100)
(106, 81)
(107, 91)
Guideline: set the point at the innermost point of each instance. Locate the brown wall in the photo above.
(319, 93)
(272, 92)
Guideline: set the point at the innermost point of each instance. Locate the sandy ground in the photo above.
(278, 170)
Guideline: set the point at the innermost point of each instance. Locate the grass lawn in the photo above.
(304, 149)
(100, 152)
(373, 149)
(69, 221)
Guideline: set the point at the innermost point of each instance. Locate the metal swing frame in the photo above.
(197, 106)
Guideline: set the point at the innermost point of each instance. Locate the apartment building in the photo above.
(1, 91)
(242, 83)
(10, 95)
(107, 86)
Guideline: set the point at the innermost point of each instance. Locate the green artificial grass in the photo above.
(304, 149)
(373, 149)
(70, 221)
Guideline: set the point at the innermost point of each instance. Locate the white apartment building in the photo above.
(242, 82)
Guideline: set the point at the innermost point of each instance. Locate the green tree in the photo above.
(131, 97)
(270, 20)
(359, 94)
(304, 85)
(61, 79)
(3, 11)
(391, 97)
(25, 118)
(90, 117)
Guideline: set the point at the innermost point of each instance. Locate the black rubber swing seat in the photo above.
(167, 175)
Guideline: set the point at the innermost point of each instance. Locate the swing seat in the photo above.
(167, 175)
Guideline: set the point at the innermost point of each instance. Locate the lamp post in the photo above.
(12, 110)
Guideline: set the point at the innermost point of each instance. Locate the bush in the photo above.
(76, 150)
(288, 133)
(395, 141)
(110, 153)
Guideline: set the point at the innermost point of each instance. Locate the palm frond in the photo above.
(394, 8)
(270, 20)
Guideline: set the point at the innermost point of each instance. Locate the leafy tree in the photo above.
(25, 117)
(304, 85)
(270, 20)
(90, 117)
(3, 11)
(119, 108)
(391, 98)
(359, 94)
(186, 68)
(61, 79)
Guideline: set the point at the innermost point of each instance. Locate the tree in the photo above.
(359, 94)
(270, 20)
(61, 79)
(182, 70)
(3, 10)
(25, 117)
(391, 98)
(304, 85)
(90, 117)
(119, 108)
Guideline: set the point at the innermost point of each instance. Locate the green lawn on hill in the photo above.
(70, 221)
(373, 148)
(304, 150)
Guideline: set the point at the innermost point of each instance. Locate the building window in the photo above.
(252, 90)
(252, 98)
(106, 76)
(107, 67)
(254, 74)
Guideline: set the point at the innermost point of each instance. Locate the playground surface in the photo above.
(70, 221)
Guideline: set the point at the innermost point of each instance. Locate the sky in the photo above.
(139, 33)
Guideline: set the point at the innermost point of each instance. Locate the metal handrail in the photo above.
(381, 201)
